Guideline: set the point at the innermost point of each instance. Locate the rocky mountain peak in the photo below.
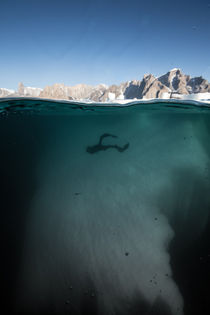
(198, 85)
(148, 76)
(171, 84)
(28, 91)
(21, 88)
(175, 80)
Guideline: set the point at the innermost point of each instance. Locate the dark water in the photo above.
(105, 210)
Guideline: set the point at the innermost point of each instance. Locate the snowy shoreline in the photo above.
(127, 102)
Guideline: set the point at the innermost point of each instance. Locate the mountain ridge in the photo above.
(170, 85)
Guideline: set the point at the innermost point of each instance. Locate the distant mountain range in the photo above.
(173, 84)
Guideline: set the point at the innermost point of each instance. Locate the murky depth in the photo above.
(106, 214)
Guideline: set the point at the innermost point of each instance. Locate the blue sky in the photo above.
(94, 41)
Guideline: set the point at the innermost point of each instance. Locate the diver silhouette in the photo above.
(102, 147)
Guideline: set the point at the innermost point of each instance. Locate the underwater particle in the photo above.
(67, 302)
(70, 288)
(155, 219)
(77, 193)
(92, 294)
(166, 275)
(126, 253)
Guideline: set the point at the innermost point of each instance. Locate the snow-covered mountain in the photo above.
(6, 92)
(173, 84)
(28, 91)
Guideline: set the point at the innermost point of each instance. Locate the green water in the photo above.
(111, 207)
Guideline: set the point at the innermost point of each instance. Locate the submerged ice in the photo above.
(99, 227)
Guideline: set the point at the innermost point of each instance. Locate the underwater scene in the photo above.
(105, 209)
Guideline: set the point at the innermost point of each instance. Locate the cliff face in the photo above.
(77, 92)
(173, 82)
(56, 91)
(149, 87)
(198, 85)
(176, 81)
(155, 89)
(28, 91)
(184, 84)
